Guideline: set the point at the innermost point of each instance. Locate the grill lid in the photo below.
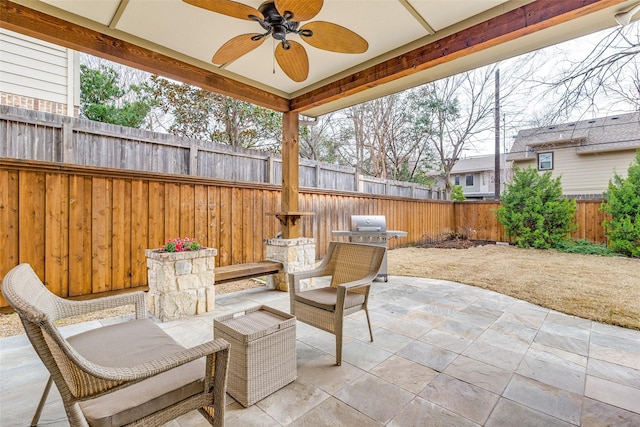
(369, 223)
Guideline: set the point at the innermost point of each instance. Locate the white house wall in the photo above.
(589, 173)
(38, 70)
(585, 174)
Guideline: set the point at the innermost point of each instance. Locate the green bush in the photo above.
(533, 212)
(584, 247)
(623, 204)
(457, 194)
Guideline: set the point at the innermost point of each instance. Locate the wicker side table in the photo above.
(263, 352)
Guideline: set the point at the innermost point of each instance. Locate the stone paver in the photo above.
(382, 405)
(545, 398)
(468, 400)
(445, 352)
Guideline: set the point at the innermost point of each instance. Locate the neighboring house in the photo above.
(584, 154)
(38, 75)
(476, 176)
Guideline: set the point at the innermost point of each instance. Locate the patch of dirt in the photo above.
(455, 243)
(239, 285)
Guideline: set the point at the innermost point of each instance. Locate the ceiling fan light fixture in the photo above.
(279, 32)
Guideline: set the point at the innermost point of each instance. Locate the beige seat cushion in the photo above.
(128, 344)
(325, 298)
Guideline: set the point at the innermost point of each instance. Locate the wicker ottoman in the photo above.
(263, 352)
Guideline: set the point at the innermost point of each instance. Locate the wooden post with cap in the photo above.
(289, 215)
(290, 174)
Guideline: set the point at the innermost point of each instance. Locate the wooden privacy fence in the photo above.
(84, 229)
(36, 135)
(478, 221)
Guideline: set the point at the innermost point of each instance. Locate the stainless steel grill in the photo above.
(371, 230)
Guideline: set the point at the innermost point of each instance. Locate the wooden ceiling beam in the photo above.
(512, 25)
(36, 24)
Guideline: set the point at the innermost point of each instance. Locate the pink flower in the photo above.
(181, 245)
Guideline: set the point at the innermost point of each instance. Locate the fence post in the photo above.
(454, 219)
(318, 175)
(269, 170)
(193, 159)
(67, 154)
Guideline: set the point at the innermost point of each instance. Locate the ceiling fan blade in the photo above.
(227, 7)
(294, 62)
(235, 48)
(334, 38)
(303, 10)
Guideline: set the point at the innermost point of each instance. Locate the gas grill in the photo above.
(371, 230)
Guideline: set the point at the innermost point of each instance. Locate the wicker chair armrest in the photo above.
(297, 277)
(344, 287)
(154, 367)
(358, 283)
(68, 308)
(316, 272)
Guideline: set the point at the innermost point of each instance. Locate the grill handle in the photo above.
(368, 229)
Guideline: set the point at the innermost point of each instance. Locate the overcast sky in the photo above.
(549, 60)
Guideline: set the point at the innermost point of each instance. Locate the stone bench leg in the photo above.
(294, 254)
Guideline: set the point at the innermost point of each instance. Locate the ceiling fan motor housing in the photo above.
(279, 24)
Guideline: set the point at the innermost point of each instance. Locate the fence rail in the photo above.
(85, 229)
(36, 135)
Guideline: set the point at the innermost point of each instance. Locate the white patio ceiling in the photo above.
(410, 41)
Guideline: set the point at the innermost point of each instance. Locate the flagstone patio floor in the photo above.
(444, 354)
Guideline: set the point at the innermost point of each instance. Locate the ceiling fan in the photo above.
(279, 18)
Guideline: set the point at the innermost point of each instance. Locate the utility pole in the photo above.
(496, 116)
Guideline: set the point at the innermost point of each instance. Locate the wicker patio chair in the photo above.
(129, 373)
(352, 268)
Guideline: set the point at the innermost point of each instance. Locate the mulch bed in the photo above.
(455, 243)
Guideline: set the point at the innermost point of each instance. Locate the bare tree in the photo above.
(606, 77)
(387, 138)
(321, 139)
(458, 111)
(372, 123)
(455, 111)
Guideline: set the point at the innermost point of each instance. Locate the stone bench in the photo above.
(230, 273)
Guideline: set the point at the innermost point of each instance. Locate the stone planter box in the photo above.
(180, 283)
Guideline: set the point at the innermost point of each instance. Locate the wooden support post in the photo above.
(290, 166)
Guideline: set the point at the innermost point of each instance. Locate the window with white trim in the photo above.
(468, 180)
(545, 161)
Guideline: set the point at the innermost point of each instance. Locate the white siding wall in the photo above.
(585, 174)
(589, 173)
(37, 69)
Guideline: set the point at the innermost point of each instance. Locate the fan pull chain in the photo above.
(273, 43)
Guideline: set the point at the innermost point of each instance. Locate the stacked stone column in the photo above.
(294, 254)
(181, 284)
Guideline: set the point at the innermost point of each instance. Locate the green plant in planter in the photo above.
(181, 245)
